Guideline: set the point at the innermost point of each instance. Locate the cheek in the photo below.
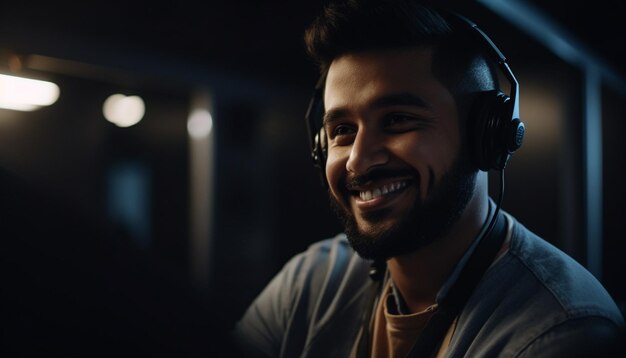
(436, 156)
(446, 153)
(335, 171)
(427, 154)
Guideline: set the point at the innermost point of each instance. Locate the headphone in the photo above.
(498, 130)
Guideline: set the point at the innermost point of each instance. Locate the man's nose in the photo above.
(368, 151)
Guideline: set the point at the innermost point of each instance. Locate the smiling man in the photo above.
(397, 173)
(406, 121)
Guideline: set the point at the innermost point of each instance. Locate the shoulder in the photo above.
(572, 287)
(321, 264)
(537, 300)
(303, 297)
(325, 274)
(329, 258)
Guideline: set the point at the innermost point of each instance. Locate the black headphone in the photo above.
(498, 130)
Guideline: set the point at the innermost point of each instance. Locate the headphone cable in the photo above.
(498, 205)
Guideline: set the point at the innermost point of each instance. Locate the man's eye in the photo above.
(342, 134)
(402, 122)
(398, 119)
(342, 130)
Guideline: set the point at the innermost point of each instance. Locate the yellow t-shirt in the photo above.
(395, 334)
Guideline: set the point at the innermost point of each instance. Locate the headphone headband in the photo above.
(499, 58)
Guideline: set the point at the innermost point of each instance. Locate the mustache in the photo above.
(354, 181)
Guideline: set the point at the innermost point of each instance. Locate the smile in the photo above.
(386, 189)
(381, 196)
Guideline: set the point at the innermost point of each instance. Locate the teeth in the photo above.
(384, 190)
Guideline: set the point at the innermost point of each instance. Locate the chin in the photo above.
(377, 236)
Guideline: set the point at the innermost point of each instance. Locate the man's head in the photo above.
(399, 83)
(349, 26)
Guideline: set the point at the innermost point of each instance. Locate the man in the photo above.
(428, 265)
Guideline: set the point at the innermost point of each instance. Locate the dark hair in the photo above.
(348, 26)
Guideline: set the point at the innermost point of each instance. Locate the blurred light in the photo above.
(128, 199)
(123, 111)
(24, 94)
(200, 123)
(201, 187)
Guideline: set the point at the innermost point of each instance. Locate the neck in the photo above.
(419, 275)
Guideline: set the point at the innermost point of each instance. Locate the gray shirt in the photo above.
(534, 301)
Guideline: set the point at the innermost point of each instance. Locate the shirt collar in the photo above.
(400, 305)
(460, 265)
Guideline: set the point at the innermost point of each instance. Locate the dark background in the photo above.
(68, 259)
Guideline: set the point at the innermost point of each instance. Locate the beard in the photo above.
(428, 220)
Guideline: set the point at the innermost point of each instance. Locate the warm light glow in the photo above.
(25, 94)
(200, 123)
(123, 111)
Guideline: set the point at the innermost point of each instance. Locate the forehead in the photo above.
(361, 77)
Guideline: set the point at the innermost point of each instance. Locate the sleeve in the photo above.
(582, 337)
(260, 331)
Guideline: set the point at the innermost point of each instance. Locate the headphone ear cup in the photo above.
(321, 149)
(496, 134)
(320, 152)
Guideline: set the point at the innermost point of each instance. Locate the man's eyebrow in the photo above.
(333, 115)
(400, 99)
(396, 99)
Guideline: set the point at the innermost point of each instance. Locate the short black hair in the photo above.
(349, 26)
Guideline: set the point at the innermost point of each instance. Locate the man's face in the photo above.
(397, 175)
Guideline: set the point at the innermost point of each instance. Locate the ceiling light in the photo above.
(25, 94)
(123, 111)
(200, 123)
